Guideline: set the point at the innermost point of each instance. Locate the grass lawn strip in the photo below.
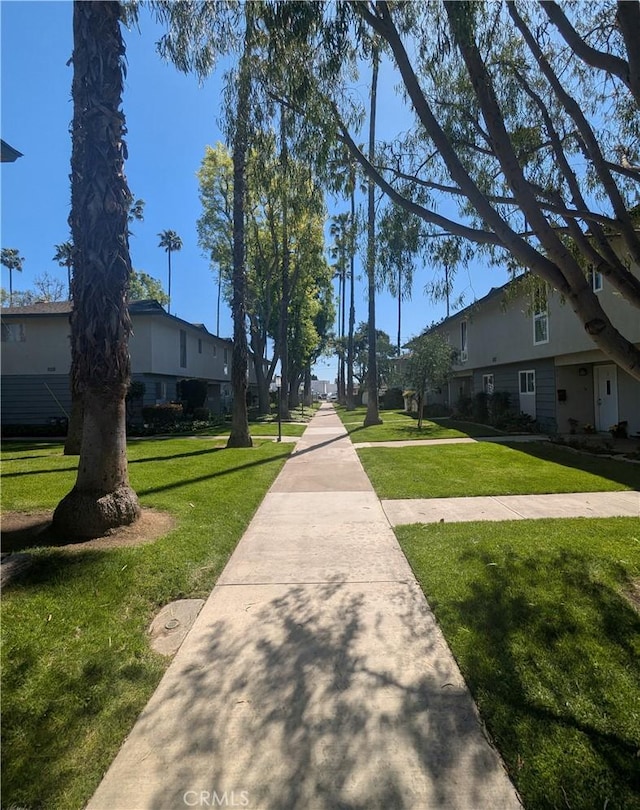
(76, 663)
(460, 470)
(401, 426)
(538, 617)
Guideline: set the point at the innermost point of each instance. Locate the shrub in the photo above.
(162, 415)
(465, 406)
(193, 394)
(499, 405)
(392, 399)
(435, 409)
(201, 414)
(481, 407)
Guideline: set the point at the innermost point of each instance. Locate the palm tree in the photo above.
(12, 260)
(100, 325)
(170, 241)
(64, 257)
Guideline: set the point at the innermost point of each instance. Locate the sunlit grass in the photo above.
(484, 468)
(399, 426)
(76, 662)
(538, 616)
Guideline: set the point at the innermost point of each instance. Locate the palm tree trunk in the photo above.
(373, 416)
(169, 282)
(240, 436)
(100, 325)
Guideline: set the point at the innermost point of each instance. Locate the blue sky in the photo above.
(170, 120)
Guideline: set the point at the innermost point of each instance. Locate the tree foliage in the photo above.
(143, 287)
(525, 134)
(428, 366)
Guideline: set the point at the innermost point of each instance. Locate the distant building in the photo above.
(164, 350)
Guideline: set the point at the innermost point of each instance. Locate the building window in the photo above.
(13, 333)
(215, 350)
(487, 383)
(183, 349)
(161, 391)
(199, 345)
(226, 356)
(540, 316)
(596, 280)
(463, 341)
(527, 382)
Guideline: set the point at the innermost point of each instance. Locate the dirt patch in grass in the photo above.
(21, 530)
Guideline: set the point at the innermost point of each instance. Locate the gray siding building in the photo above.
(533, 346)
(164, 350)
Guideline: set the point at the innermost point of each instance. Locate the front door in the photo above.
(605, 383)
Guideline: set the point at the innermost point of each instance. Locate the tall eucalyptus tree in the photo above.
(522, 116)
(372, 416)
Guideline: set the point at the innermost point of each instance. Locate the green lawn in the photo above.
(458, 470)
(399, 426)
(538, 618)
(76, 663)
(266, 427)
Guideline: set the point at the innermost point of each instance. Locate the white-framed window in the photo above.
(487, 383)
(463, 342)
(183, 349)
(527, 381)
(13, 333)
(595, 278)
(540, 316)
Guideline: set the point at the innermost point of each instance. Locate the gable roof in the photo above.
(64, 308)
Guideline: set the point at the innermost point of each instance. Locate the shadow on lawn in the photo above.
(113, 680)
(620, 471)
(568, 694)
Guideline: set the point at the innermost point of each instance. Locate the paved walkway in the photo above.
(315, 677)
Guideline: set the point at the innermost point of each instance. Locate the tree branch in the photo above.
(597, 59)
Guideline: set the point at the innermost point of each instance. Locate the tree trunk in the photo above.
(284, 302)
(102, 498)
(262, 381)
(352, 306)
(240, 436)
(100, 325)
(307, 386)
(373, 416)
(169, 287)
(73, 442)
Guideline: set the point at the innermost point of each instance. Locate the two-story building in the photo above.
(164, 350)
(529, 343)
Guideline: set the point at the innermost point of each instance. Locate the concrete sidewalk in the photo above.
(512, 507)
(315, 677)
